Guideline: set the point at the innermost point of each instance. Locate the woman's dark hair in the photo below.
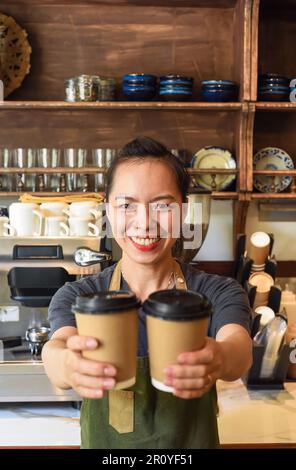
(144, 147)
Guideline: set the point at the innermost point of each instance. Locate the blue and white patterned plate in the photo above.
(272, 158)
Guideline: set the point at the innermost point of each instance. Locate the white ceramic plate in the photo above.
(272, 158)
(214, 157)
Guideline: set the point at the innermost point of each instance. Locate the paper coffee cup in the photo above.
(112, 318)
(259, 247)
(263, 283)
(177, 322)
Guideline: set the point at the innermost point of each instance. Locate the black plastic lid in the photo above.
(177, 304)
(104, 302)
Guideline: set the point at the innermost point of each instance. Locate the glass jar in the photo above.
(71, 89)
(87, 88)
(107, 90)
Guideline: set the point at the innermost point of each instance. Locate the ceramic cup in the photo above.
(54, 209)
(112, 318)
(82, 227)
(56, 227)
(5, 229)
(26, 219)
(84, 209)
(177, 321)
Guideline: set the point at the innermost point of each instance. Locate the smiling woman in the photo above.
(146, 187)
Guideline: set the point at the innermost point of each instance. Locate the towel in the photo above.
(28, 197)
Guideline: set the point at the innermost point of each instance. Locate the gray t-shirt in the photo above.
(229, 301)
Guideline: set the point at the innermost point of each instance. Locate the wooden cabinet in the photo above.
(227, 39)
(203, 39)
(272, 124)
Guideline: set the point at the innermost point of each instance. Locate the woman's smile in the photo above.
(145, 244)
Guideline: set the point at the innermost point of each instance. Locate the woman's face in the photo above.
(144, 210)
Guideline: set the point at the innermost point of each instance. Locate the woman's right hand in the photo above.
(87, 377)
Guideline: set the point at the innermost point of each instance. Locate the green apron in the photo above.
(143, 417)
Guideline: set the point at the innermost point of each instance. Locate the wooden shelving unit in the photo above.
(205, 39)
(271, 124)
(118, 105)
(167, 41)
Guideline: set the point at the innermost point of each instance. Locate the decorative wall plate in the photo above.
(272, 158)
(15, 52)
(214, 157)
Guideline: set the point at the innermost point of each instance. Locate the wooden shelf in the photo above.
(279, 196)
(275, 106)
(224, 195)
(45, 194)
(215, 194)
(165, 3)
(210, 171)
(95, 170)
(40, 170)
(275, 172)
(119, 105)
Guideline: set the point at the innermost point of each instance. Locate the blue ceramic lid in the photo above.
(135, 86)
(175, 82)
(139, 77)
(175, 91)
(273, 77)
(274, 92)
(176, 78)
(218, 82)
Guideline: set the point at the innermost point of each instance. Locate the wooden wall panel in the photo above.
(112, 129)
(92, 38)
(199, 3)
(277, 33)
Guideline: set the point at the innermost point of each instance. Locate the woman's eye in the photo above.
(127, 206)
(160, 206)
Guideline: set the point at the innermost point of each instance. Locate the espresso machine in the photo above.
(31, 271)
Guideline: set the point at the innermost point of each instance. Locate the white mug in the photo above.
(56, 227)
(53, 209)
(4, 227)
(82, 227)
(85, 209)
(26, 219)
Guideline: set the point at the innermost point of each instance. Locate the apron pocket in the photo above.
(121, 410)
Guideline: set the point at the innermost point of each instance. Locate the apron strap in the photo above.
(116, 277)
(179, 277)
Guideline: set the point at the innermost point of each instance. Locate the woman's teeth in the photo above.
(144, 241)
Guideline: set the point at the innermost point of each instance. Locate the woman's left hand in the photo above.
(197, 371)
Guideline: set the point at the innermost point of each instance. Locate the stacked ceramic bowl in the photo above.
(139, 86)
(273, 87)
(219, 90)
(175, 88)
